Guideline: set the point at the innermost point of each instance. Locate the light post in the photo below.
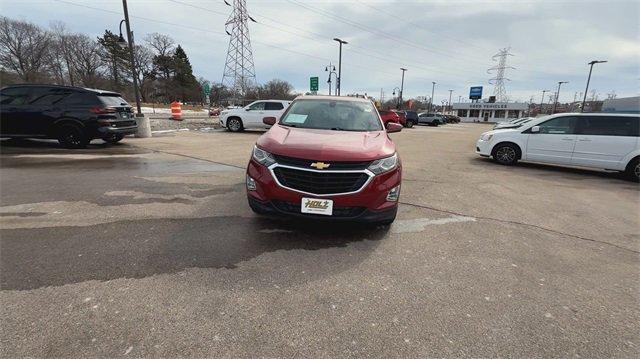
(122, 43)
(339, 79)
(433, 88)
(400, 103)
(450, 92)
(332, 70)
(555, 103)
(397, 98)
(542, 100)
(443, 102)
(584, 100)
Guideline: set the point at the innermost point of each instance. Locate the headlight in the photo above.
(383, 164)
(485, 137)
(263, 157)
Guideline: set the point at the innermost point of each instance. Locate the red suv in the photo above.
(327, 157)
(393, 116)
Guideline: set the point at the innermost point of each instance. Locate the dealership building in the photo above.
(489, 111)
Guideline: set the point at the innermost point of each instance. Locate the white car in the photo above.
(607, 141)
(251, 116)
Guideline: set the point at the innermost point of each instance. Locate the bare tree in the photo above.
(62, 53)
(23, 49)
(87, 63)
(162, 44)
(143, 58)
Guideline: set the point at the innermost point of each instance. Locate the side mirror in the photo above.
(393, 127)
(535, 129)
(269, 121)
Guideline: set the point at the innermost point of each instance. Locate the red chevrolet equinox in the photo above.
(327, 158)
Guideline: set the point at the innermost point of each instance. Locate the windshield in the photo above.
(332, 115)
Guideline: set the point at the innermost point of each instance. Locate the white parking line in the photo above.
(419, 224)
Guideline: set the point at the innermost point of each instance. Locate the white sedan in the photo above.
(609, 141)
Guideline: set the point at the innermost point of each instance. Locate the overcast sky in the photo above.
(450, 42)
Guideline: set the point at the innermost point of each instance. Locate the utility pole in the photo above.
(450, 92)
(555, 103)
(499, 90)
(584, 100)
(542, 100)
(400, 103)
(133, 64)
(339, 80)
(433, 88)
(239, 71)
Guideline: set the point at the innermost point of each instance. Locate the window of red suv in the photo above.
(332, 115)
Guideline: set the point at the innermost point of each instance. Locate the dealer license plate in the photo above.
(317, 206)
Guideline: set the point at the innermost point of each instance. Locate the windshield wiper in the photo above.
(288, 125)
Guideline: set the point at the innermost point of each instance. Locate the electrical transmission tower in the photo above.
(499, 90)
(239, 72)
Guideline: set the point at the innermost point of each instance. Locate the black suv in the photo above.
(412, 118)
(72, 115)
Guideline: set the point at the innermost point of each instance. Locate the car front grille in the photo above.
(321, 183)
(294, 208)
(333, 165)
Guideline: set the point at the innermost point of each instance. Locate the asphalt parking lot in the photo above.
(148, 248)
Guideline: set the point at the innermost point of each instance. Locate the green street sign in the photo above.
(313, 83)
(207, 89)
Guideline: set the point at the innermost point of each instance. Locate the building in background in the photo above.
(489, 111)
(622, 105)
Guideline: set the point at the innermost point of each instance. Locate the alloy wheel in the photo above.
(506, 154)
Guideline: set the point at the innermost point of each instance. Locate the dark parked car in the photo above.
(411, 118)
(452, 118)
(72, 115)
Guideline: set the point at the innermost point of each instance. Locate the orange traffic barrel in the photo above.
(176, 111)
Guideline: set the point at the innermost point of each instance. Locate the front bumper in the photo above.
(368, 204)
(483, 148)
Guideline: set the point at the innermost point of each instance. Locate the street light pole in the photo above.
(555, 103)
(400, 102)
(339, 64)
(542, 100)
(584, 100)
(450, 92)
(133, 64)
(433, 88)
(332, 70)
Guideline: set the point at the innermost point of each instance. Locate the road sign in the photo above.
(475, 93)
(206, 89)
(313, 83)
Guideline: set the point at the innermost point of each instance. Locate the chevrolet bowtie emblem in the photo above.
(320, 165)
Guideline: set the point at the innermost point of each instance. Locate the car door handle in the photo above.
(567, 139)
(584, 140)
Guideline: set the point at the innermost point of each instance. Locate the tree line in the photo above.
(31, 54)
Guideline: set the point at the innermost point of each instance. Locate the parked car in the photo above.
(72, 115)
(250, 116)
(402, 117)
(452, 118)
(214, 111)
(411, 118)
(328, 157)
(430, 119)
(596, 140)
(392, 116)
(513, 123)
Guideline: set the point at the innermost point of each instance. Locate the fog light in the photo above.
(251, 184)
(394, 194)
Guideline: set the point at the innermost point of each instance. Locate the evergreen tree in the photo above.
(117, 59)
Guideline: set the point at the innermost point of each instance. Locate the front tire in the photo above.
(505, 154)
(409, 124)
(113, 138)
(234, 124)
(72, 136)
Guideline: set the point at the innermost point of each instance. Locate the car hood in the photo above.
(502, 130)
(326, 145)
(503, 126)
